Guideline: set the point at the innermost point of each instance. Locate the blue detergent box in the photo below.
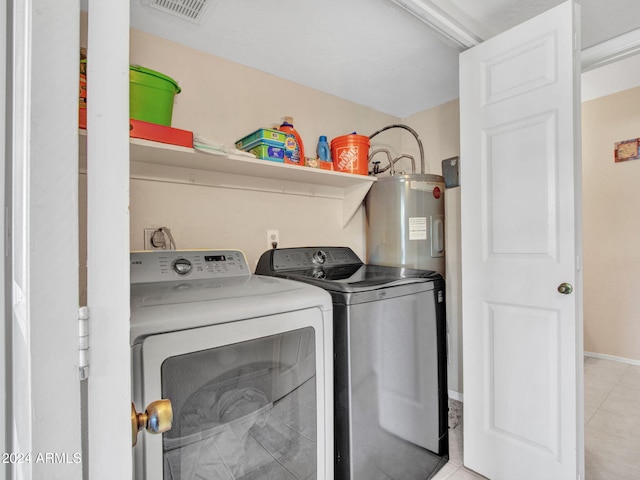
(268, 152)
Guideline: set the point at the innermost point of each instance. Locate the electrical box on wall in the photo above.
(158, 238)
(273, 238)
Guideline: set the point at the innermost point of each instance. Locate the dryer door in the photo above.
(248, 397)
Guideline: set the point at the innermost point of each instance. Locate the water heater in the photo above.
(405, 222)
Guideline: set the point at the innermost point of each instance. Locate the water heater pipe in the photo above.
(413, 132)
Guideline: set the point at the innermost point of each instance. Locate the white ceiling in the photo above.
(371, 52)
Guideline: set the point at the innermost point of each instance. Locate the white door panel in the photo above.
(514, 335)
(518, 101)
(518, 198)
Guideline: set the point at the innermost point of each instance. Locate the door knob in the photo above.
(157, 418)
(565, 288)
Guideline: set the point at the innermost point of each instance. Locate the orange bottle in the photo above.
(293, 146)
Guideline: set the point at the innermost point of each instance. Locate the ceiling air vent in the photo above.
(191, 10)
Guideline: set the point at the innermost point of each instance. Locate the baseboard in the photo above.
(608, 357)
(456, 396)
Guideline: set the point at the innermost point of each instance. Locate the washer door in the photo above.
(247, 396)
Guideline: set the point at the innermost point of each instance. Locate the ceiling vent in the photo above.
(191, 10)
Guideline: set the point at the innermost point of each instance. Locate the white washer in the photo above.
(246, 361)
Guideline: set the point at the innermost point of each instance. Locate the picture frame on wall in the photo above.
(627, 150)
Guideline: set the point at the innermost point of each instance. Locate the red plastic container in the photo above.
(160, 133)
(350, 154)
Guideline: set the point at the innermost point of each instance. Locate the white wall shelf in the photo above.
(171, 163)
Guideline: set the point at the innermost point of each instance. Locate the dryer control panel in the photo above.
(172, 265)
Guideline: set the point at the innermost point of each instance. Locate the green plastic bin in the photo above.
(151, 95)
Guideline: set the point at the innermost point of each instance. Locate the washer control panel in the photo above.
(312, 257)
(172, 265)
(320, 257)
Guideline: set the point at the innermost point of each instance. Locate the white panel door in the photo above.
(520, 174)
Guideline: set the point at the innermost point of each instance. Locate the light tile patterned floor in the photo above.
(612, 425)
(612, 420)
(454, 469)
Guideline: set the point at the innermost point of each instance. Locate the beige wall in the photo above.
(439, 131)
(224, 101)
(211, 217)
(611, 202)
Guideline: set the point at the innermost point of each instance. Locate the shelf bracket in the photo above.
(353, 198)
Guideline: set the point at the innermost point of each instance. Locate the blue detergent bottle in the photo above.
(324, 152)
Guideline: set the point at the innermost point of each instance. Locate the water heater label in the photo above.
(417, 228)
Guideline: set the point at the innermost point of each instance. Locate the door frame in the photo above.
(41, 325)
(5, 187)
(41, 282)
(109, 383)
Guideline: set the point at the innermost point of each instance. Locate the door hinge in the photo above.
(83, 343)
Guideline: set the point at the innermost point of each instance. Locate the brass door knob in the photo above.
(157, 418)
(565, 288)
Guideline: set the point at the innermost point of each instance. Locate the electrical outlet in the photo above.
(273, 237)
(156, 239)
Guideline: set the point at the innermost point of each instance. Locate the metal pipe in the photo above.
(410, 157)
(413, 132)
(383, 150)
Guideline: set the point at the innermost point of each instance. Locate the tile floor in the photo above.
(612, 425)
(454, 469)
(612, 420)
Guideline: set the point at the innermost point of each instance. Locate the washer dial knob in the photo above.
(182, 266)
(319, 273)
(320, 257)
